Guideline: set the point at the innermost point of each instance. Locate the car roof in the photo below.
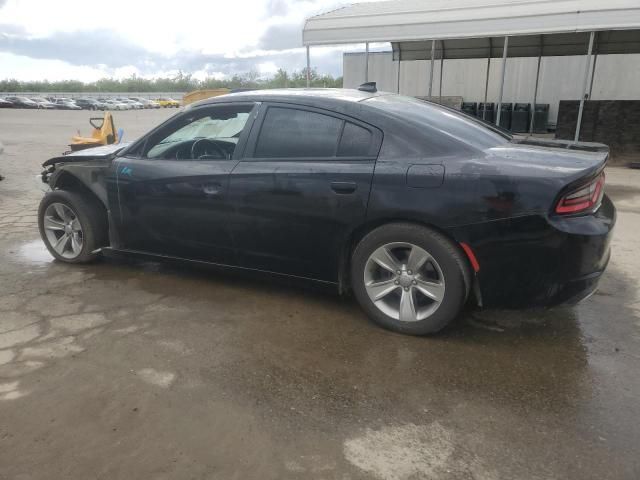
(302, 95)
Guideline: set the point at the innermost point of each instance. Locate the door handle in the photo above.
(344, 187)
(211, 189)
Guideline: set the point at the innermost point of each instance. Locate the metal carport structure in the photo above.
(455, 29)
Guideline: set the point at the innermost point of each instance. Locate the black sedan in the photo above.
(413, 207)
(5, 103)
(22, 102)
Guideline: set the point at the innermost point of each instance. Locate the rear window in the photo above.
(355, 141)
(292, 133)
(445, 120)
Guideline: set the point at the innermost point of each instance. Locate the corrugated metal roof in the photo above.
(411, 20)
(546, 45)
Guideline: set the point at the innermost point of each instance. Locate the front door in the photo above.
(302, 184)
(173, 192)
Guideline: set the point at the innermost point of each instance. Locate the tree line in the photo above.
(179, 83)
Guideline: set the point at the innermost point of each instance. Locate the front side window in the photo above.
(206, 134)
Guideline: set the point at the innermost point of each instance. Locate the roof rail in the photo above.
(368, 87)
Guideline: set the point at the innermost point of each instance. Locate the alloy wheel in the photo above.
(63, 230)
(404, 281)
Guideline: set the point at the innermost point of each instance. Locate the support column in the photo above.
(399, 72)
(504, 72)
(486, 82)
(308, 68)
(584, 87)
(433, 54)
(593, 73)
(535, 96)
(366, 62)
(441, 69)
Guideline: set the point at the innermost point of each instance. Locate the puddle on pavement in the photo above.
(35, 253)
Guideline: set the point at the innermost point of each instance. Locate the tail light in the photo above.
(585, 198)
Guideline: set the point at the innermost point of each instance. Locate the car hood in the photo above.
(103, 152)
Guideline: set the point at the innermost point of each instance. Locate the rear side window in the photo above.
(355, 141)
(292, 133)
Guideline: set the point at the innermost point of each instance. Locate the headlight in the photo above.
(42, 185)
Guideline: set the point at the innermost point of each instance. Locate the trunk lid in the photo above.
(549, 158)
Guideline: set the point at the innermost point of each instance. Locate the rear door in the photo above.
(301, 186)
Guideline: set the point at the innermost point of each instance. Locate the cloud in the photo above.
(270, 36)
(281, 37)
(7, 29)
(188, 62)
(274, 8)
(78, 48)
(279, 46)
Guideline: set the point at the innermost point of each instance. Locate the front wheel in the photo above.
(72, 226)
(409, 278)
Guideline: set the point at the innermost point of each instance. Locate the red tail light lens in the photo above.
(584, 198)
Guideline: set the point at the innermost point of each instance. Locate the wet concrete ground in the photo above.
(123, 370)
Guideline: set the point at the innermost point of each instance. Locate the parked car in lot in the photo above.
(146, 103)
(22, 102)
(5, 103)
(166, 102)
(66, 104)
(43, 103)
(133, 105)
(89, 104)
(412, 206)
(115, 105)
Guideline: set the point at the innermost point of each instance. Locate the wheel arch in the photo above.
(359, 232)
(63, 179)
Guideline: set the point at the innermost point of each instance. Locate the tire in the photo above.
(446, 276)
(92, 219)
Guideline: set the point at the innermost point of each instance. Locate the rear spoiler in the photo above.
(555, 143)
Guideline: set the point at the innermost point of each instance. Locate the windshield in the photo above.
(452, 122)
(223, 126)
(210, 128)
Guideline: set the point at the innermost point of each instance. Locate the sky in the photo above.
(84, 40)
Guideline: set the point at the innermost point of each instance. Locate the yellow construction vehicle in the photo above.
(197, 95)
(104, 133)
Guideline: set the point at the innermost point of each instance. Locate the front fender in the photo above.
(77, 176)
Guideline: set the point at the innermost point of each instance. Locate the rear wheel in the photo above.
(409, 278)
(72, 226)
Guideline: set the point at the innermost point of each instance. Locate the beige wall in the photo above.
(617, 78)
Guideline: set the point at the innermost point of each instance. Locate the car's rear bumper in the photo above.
(577, 290)
(538, 261)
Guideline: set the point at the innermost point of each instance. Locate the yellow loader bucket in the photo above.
(197, 95)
